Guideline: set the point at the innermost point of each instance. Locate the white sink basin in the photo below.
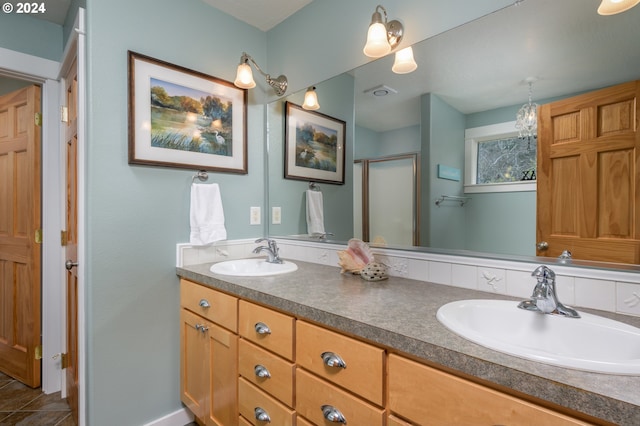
(589, 343)
(254, 267)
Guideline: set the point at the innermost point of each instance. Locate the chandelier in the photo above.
(527, 118)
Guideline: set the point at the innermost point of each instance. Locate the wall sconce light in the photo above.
(244, 76)
(611, 7)
(311, 99)
(404, 62)
(382, 36)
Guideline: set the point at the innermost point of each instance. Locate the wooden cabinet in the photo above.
(347, 362)
(323, 403)
(296, 373)
(424, 395)
(266, 365)
(209, 354)
(265, 327)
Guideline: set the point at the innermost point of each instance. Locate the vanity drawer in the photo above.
(267, 328)
(280, 380)
(394, 421)
(209, 303)
(420, 393)
(364, 363)
(301, 421)
(313, 394)
(252, 398)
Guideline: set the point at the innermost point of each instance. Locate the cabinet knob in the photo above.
(333, 415)
(262, 415)
(204, 303)
(333, 360)
(261, 371)
(262, 328)
(202, 328)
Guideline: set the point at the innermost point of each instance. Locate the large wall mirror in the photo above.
(471, 77)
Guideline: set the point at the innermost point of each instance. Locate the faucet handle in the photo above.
(543, 272)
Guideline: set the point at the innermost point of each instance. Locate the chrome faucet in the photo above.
(271, 248)
(544, 298)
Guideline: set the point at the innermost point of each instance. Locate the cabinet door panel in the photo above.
(279, 383)
(252, 398)
(364, 363)
(278, 339)
(428, 396)
(223, 376)
(210, 304)
(193, 363)
(313, 393)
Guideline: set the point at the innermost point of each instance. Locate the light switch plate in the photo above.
(276, 215)
(254, 216)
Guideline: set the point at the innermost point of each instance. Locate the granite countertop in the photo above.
(401, 314)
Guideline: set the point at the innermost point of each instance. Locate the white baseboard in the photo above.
(177, 418)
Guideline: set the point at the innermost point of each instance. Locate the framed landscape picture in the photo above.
(314, 146)
(183, 118)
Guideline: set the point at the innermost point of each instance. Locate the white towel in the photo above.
(207, 215)
(315, 213)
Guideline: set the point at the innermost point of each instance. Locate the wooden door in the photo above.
(589, 175)
(20, 255)
(70, 238)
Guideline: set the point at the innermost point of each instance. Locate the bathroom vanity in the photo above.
(316, 347)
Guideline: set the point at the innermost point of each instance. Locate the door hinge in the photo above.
(64, 238)
(38, 236)
(64, 114)
(38, 119)
(38, 353)
(64, 361)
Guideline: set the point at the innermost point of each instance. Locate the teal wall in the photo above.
(442, 143)
(137, 214)
(336, 100)
(371, 144)
(36, 37)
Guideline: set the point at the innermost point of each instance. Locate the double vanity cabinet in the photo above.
(248, 360)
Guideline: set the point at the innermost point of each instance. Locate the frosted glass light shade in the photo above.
(404, 62)
(377, 43)
(611, 7)
(310, 100)
(244, 77)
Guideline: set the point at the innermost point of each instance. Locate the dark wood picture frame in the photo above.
(314, 148)
(185, 119)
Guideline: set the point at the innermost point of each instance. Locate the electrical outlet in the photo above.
(254, 218)
(276, 215)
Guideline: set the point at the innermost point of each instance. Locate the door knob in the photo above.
(70, 264)
(542, 246)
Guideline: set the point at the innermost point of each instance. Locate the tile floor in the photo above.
(21, 405)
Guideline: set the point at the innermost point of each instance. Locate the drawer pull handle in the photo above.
(333, 415)
(262, 415)
(202, 328)
(204, 303)
(262, 328)
(261, 371)
(333, 360)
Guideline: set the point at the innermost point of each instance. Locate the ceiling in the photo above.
(261, 14)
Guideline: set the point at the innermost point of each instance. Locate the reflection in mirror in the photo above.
(471, 77)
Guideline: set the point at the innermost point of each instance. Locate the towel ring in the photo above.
(314, 186)
(201, 175)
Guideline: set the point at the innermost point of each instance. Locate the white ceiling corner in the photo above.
(262, 14)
